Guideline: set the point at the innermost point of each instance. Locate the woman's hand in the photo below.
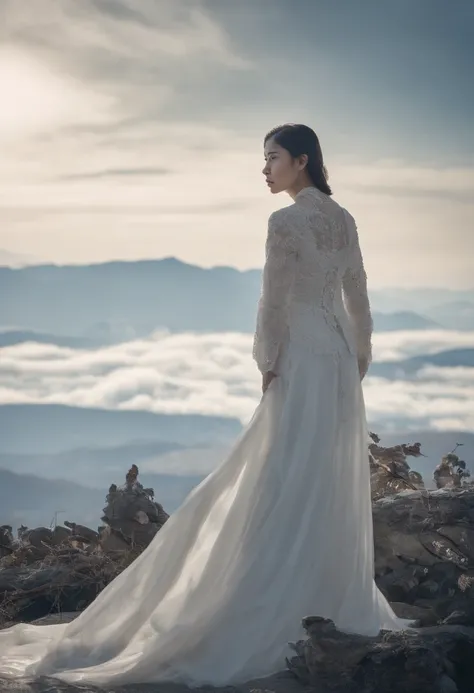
(363, 366)
(267, 379)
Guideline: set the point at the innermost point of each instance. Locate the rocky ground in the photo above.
(424, 549)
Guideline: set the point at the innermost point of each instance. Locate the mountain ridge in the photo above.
(119, 298)
(56, 427)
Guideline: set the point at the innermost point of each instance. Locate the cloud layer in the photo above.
(214, 374)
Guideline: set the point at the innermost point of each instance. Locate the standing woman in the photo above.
(282, 528)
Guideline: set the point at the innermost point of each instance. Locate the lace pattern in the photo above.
(356, 299)
(314, 285)
(278, 275)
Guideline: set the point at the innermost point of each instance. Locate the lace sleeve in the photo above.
(278, 274)
(354, 285)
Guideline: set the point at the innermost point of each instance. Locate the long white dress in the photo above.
(282, 528)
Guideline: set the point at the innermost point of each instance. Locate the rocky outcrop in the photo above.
(424, 541)
(131, 516)
(424, 564)
(6, 540)
(451, 472)
(431, 660)
(389, 468)
(61, 569)
(424, 554)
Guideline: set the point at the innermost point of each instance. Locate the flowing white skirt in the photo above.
(282, 529)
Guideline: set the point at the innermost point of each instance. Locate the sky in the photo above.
(134, 129)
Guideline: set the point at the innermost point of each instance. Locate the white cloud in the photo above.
(214, 374)
(100, 63)
(37, 98)
(437, 403)
(183, 373)
(138, 129)
(89, 34)
(397, 345)
(398, 176)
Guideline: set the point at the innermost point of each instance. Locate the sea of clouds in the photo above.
(214, 374)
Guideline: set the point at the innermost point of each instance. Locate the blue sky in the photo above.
(134, 129)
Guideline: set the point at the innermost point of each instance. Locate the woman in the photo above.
(282, 528)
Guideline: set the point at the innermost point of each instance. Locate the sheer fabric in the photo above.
(281, 529)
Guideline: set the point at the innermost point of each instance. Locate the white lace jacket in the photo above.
(314, 286)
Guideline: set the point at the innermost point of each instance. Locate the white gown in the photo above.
(282, 529)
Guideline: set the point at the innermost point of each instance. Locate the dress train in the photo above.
(282, 529)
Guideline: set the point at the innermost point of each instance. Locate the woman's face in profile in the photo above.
(279, 169)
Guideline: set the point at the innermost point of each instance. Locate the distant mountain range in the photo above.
(419, 299)
(97, 466)
(408, 368)
(89, 446)
(50, 429)
(13, 337)
(383, 322)
(402, 320)
(64, 458)
(117, 301)
(34, 501)
(454, 314)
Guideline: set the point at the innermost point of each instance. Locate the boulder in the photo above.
(428, 660)
(132, 512)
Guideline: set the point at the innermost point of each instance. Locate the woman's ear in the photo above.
(303, 161)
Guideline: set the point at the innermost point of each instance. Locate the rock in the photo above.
(424, 616)
(65, 568)
(81, 533)
(423, 564)
(22, 529)
(111, 541)
(423, 549)
(389, 469)
(60, 535)
(460, 618)
(419, 661)
(39, 537)
(451, 472)
(131, 511)
(461, 536)
(6, 540)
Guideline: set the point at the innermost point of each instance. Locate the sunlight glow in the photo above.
(37, 98)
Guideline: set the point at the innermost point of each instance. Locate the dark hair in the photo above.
(301, 139)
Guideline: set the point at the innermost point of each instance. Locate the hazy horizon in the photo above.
(19, 262)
